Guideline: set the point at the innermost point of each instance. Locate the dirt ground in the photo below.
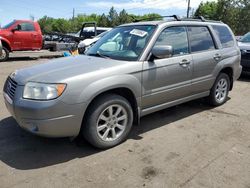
(190, 145)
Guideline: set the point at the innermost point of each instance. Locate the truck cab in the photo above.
(20, 35)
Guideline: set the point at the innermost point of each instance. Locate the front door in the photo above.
(169, 79)
(25, 36)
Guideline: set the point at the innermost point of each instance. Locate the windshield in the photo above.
(123, 43)
(8, 25)
(245, 38)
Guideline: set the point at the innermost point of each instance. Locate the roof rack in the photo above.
(200, 19)
(177, 18)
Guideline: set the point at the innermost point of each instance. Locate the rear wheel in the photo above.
(108, 121)
(219, 92)
(5, 54)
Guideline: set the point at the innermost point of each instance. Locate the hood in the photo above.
(4, 32)
(59, 70)
(244, 45)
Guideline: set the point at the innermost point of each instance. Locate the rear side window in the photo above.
(224, 35)
(27, 26)
(175, 37)
(200, 39)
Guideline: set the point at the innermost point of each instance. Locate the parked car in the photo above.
(244, 44)
(134, 70)
(83, 45)
(20, 35)
(238, 37)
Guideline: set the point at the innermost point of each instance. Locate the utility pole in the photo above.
(188, 8)
(73, 17)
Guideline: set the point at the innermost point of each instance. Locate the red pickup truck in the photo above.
(20, 35)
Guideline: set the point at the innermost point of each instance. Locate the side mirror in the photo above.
(162, 51)
(17, 28)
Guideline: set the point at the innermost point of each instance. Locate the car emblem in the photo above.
(13, 74)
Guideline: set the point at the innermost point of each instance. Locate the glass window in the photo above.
(27, 26)
(245, 38)
(175, 37)
(123, 43)
(224, 35)
(200, 39)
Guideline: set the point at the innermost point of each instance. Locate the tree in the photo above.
(103, 21)
(235, 13)
(124, 17)
(113, 18)
(207, 10)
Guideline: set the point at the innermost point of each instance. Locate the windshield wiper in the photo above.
(98, 54)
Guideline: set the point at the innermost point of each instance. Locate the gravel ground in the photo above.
(190, 145)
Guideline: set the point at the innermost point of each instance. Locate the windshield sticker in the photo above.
(138, 32)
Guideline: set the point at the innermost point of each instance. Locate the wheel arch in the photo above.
(125, 92)
(6, 44)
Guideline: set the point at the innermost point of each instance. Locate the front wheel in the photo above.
(108, 121)
(5, 54)
(219, 92)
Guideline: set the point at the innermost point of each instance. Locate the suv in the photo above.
(244, 44)
(134, 70)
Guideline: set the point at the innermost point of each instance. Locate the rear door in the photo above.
(205, 56)
(168, 79)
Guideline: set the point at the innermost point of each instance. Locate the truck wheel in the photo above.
(108, 121)
(5, 54)
(219, 92)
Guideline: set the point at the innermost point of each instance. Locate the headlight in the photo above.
(42, 91)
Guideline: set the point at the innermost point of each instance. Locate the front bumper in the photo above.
(52, 118)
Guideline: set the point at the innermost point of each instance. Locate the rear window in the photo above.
(224, 35)
(200, 39)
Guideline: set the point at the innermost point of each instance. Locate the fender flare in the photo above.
(118, 81)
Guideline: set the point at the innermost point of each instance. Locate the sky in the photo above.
(24, 9)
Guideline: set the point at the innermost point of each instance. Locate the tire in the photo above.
(112, 129)
(219, 92)
(5, 54)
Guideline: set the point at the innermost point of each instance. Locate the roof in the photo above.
(159, 22)
(24, 21)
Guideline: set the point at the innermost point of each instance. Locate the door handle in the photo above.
(184, 62)
(217, 57)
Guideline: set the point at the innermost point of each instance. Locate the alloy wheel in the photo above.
(112, 122)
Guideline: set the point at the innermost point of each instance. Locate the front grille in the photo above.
(10, 87)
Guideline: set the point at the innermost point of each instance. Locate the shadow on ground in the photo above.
(21, 150)
(22, 58)
(244, 77)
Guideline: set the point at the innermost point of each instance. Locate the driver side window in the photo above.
(175, 37)
(25, 26)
